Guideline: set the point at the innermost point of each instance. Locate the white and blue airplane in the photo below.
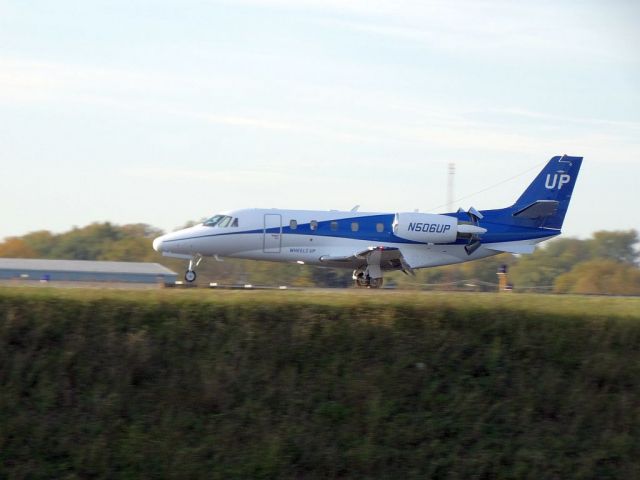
(372, 243)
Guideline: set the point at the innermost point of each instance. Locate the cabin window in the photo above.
(235, 222)
(293, 224)
(313, 224)
(334, 226)
(355, 226)
(379, 227)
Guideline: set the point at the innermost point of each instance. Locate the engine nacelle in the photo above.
(426, 227)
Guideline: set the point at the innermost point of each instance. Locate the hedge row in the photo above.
(293, 386)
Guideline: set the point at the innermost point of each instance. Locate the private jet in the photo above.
(371, 243)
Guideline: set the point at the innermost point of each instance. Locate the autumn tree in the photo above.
(16, 247)
(617, 245)
(600, 276)
(543, 266)
(41, 242)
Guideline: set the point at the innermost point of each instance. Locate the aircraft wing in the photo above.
(389, 258)
(387, 253)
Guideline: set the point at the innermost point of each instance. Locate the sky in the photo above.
(164, 112)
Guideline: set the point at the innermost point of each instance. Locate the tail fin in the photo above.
(548, 196)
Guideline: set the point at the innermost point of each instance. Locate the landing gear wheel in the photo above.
(365, 281)
(190, 276)
(361, 282)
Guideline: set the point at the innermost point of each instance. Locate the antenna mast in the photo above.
(452, 172)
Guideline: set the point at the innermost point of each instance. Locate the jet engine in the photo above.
(433, 228)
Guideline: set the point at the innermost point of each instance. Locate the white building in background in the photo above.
(84, 271)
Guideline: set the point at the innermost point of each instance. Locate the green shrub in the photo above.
(289, 385)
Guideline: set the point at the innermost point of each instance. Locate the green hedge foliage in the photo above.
(290, 385)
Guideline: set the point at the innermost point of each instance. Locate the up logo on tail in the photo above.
(557, 180)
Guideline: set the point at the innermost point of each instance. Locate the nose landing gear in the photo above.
(190, 274)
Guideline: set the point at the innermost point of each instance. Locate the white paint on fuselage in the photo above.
(235, 242)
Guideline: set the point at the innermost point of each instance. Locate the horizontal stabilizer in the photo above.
(538, 209)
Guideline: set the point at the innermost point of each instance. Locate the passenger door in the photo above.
(272, 233)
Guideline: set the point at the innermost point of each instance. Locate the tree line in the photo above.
(605, 263)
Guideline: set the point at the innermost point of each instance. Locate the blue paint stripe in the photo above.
(497, 232)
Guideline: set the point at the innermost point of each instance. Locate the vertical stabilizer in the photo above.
(553, 184)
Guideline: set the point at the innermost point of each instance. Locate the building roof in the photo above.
(26, 264)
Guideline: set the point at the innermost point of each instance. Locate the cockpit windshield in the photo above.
(213, 221)
(224, 222)
(221, 221)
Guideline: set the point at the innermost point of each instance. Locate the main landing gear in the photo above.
(190, 274)
(364, 280)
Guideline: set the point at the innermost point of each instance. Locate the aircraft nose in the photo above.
(157, 244)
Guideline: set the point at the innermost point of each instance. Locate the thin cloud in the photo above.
(34, 80)
(279, 125)
(566, 119)
(495, 28)
(235, 177)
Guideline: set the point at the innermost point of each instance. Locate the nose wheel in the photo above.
(190, 274)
